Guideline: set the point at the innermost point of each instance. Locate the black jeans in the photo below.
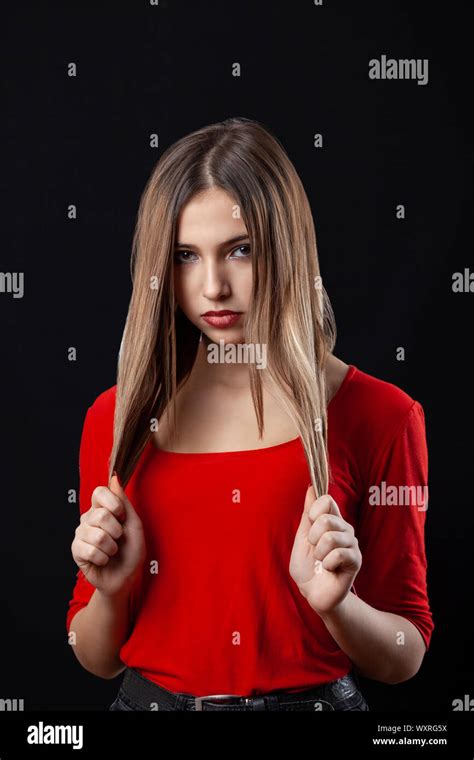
(139, 693)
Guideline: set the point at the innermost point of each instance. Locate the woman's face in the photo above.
(213, 264)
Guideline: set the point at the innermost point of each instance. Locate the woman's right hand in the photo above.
(109, 545)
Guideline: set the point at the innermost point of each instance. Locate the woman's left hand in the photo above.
(325, 558)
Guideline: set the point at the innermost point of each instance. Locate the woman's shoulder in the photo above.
(371, 408)
(375, 394)
(375, 421)
(101, 410)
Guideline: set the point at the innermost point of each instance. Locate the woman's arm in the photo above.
(100, 630)
(382, 646)
(324, 562)
(386, 626)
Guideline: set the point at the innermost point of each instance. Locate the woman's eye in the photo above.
(240, 248)
(183, 253)
(185, 257)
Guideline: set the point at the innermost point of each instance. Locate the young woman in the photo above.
(219, 579)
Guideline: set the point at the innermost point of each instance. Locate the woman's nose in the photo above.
(215, 282)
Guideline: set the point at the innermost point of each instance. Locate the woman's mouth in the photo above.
(222, 318)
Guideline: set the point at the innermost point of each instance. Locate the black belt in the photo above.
(147, 695)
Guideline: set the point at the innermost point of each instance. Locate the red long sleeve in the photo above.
(95, 447)
(391, 534)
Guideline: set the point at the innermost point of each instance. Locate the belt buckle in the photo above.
(198, 700)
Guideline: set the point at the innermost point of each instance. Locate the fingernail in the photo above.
(116, 475)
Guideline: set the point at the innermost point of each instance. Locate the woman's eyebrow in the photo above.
(226, 242)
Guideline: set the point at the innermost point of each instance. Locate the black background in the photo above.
(85, 140)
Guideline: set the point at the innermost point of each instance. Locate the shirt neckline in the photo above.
(342, 388)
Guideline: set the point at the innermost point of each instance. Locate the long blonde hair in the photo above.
(289, 312)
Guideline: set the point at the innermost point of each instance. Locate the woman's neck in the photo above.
(236, 377)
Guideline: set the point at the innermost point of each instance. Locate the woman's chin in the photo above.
(228, 335)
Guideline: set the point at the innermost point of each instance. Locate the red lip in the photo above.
(222, 319)
(221, 313)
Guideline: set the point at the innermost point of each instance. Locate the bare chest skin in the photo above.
(217, 419)
(214, 418)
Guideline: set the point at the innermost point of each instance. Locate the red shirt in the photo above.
(217, 610)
